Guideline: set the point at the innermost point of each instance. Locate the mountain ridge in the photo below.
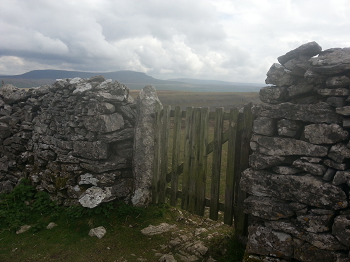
(132, 79)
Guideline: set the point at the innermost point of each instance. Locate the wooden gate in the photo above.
(190, 167)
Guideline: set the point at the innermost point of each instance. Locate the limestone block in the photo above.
(304, 251)
(93, 196)
(345, 110)
(267, 208)
(332, 61)
(309, 49)
(325, 241)
(314, 169)
(336, 101)
(98, 232)
(278, 75)
(335, 165)
(264, 241)
(338, 81)
(341, 229)
(23, 229)
(91, 150)
(286, 170)
(314, 113)
(143, 157)
(155, 230)
(300, 88)
(277, 146)
(264, 126)
(95, 108)
(325, 134)
(273, 94)
(341, 177)
(329, 175)
(11, 94)
(258, 161)
(288, 128)
(119, 135)
(304, 189)
(333, 92)
(299, 65)
(339, 152)
(113, 163)
(104, 123)
(317, 221)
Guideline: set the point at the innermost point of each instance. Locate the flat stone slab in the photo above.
(156, 230)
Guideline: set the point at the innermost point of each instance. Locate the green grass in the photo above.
(69, 241)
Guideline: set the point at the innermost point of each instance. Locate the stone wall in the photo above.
(73, 139)
(299, 176)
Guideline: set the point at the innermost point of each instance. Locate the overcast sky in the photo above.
(235, 40)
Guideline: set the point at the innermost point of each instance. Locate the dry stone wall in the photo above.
(73, 139)
(299, 177)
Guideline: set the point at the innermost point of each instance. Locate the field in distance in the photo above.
(204, 99)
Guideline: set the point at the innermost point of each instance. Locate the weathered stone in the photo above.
(95, 108)
(88, 179)
(155, 230)
(93, 196)
(113, 163)
(143, 158)
(258, 161)
(11, 94)
(23, 229)
(300, 88)
(98, 232)
(338, 81)
(336, 101)
(264, 126)
(339, 152)
(324, 241)
(267, 208)
(116, 136)
(278, 75)
(316, 223)
(167, 258)
(264, 241)
(315, 160)
(288, 128)
(314, 113)
(332, 62)
(325, 134)
(341, 229)
(304, 189)
(329, 175)
(91, 150)
(298, 66)
(286, 170)
(333, 92)
(277, 146)
(314, 169)
(306, 252)
(51, 225)
(333, 164)
(341, 177)
(345, 110)
(273, 94)
(309, 49)
(104, 123)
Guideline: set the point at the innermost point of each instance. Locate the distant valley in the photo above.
(133, 80)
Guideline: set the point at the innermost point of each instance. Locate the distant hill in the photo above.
(134, 80)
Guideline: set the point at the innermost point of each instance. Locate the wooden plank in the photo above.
(187, 157)
(164, 154)
(231, 156)
(157, 155)
(216, 166)
(242, 163)
(175, 155)
(202, 161)
(193, 178)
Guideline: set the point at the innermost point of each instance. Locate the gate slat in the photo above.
(187, 157)
(216, 166)
(175, 155)
(164, 154)
(194, 161)
(231, 153)
(242, 162)
(202, 161)
(157, 156)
